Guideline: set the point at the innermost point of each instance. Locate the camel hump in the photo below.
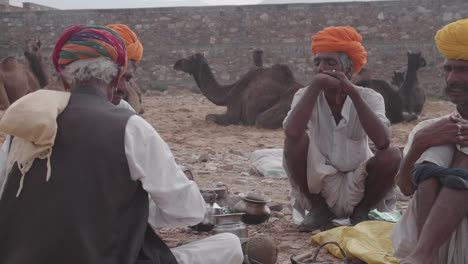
(9, 63)
(282, 73)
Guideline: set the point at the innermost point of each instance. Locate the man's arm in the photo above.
(376, 130)
(425, 135)
(178, 202)
(296, 122)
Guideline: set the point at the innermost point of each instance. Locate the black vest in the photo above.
(90, 211)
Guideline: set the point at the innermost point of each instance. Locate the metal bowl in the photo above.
(224, 219)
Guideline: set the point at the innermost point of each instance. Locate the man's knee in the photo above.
(388, 158)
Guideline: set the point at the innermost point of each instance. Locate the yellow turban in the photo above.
(341, 39)
(452, 40)
(134, 46)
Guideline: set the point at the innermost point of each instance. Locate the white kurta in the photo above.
(175, 200)
(338, 153)
(405, 236)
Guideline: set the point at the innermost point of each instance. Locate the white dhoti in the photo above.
(221, 248)
(342, 193)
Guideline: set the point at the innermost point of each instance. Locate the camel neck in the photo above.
(38, 69)
(208, 85)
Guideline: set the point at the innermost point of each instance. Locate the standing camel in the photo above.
(412, 94)
(261, 97)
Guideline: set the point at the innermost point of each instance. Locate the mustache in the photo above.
(457, 86)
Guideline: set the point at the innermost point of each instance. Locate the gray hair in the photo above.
(346, 62)
(100, 69)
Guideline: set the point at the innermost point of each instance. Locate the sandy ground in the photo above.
(179, 116)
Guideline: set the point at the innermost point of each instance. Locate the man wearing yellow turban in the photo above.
(434, 228)
(127, 88)
(332, 170)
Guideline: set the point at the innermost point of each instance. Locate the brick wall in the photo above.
(228, 33)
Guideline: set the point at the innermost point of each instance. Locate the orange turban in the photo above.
(452, 40)
(341, 39)
(134, 46)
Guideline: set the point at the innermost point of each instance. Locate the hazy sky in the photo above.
(93, 4)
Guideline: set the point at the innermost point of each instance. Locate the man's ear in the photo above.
(116, 81)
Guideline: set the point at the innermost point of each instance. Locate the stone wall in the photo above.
(227, 34)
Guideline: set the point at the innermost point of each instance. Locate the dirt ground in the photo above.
(179, 116)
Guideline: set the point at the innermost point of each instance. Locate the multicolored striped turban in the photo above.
(83, 42)
(341, 39)
(134, 46)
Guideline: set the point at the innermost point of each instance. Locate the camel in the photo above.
(257, 56)
(398, 78)
(15, 81)
(412, 94)
(33, 55)
(261, 97)
(392, 99)
(393, 104)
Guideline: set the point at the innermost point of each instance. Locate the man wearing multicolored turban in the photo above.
(434, 228)
(332, 170)
(78, 172)
(127, 89)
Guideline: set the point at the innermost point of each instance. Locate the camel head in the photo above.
(190, 64)
(33, 47)
(415, 58)
(257, 56)
(398, 78)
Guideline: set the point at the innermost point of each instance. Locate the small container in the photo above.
(239, 229)
(255, 208)
(230, 223)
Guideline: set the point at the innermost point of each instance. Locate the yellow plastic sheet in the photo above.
(368, 241)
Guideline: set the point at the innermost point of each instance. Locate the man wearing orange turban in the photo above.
(127, 89)
(434, 228)
(333, 172)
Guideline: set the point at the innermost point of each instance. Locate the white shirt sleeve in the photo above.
(177, 200)
(124, 104)
(297, 97)
(3, 163)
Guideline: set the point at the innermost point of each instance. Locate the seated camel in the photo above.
(15, 81)
(261, 97)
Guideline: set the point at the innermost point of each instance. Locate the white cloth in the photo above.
(337, 151)
(176, 201)
(221, 248)
(405, 235)
(124, 104)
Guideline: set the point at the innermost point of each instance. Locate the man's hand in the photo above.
(449, 130)
(347, 87)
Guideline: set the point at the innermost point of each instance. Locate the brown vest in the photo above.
(90, 211)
